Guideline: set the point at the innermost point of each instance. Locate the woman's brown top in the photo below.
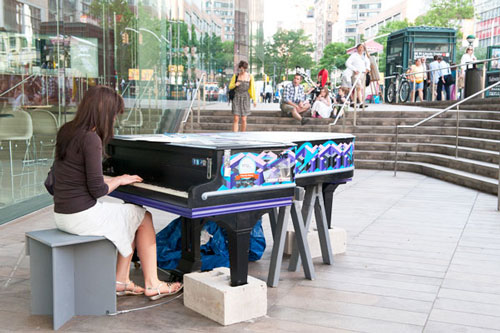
(78, 178)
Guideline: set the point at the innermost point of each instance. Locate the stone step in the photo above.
(480, 183)
(315, 125)
(440, 139)
(477, 114)
(472, 166)
(443, 122)
(482, 155)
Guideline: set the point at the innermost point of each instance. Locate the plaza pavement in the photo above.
(422, 255)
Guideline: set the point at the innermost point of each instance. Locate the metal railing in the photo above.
(341, 111)
(457, 106)
(18, 84)
(187, 113)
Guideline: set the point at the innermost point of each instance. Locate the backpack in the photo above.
(232, 91)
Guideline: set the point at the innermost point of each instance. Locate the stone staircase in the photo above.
(429, 149)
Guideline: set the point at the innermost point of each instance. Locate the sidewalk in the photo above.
(422, 255)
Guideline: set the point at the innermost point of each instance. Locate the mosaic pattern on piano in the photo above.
(324, 157)
(246, 170)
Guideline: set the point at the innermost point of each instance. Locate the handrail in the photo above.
(190, 108)
(341, 111)
(17, 84)
(457, 127)
(143, 91)
(126, 88)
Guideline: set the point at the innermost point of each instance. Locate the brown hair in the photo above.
(243, 64)
(96, 112)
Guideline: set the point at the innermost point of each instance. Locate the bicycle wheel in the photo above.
(391, 93)
(404, 91)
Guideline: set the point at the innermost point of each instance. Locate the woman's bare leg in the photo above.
(236, 120)
(123, 272)
(243, 123)
(145, 239)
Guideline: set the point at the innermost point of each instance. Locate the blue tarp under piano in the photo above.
(214, 251)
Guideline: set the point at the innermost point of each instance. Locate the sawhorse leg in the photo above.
(279, 241)
(314, 201)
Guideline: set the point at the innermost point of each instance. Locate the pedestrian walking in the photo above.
(244, 91)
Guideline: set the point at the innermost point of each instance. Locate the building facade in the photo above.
(361, 10)
(487, 22)
(326, 14)
(224, 10)
(406, 9)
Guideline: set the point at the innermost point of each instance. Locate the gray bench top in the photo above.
(57, 238)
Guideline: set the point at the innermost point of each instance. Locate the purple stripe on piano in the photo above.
(203, 211)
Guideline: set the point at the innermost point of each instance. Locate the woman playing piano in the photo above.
(80, 182)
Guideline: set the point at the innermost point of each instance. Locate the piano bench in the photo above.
(71, 275)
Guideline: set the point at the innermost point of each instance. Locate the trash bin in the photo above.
(473, 81)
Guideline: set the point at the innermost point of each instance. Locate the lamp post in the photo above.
(470, 39)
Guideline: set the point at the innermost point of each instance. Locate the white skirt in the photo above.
(116, 221)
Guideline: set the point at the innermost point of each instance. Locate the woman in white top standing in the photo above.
(467, 58)
(357, 65)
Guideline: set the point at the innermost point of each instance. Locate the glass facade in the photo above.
(52, 51)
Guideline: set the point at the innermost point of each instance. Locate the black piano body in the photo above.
(197, 176)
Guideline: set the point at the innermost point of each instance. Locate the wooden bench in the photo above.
(71, 275)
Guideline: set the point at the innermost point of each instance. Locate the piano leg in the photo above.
(238, 227)
(191, 256)
(328, 190)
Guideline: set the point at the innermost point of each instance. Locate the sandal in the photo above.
(128, 292)
(169, 293)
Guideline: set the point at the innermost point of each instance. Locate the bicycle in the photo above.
(403, 86)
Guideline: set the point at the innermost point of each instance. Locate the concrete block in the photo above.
(338, 237)
(211, 294)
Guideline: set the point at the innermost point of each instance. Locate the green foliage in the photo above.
(334, 54)
(288, 49)
(447, 13)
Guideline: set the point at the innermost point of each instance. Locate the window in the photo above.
(350, 30)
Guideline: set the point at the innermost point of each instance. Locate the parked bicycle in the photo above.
(399, 85)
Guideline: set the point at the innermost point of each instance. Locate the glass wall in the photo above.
(51, 51)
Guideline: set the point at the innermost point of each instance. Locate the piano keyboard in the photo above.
(161, 189)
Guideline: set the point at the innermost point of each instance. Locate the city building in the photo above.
(325, 15)
(224, 10)
(406, 9)
(361, 10)
(203, 21)
(487, 22)
(256, 36)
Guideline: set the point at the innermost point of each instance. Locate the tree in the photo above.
(288, 49)
(334, 55)
(448, 13)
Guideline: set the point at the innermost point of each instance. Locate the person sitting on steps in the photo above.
(294, 100)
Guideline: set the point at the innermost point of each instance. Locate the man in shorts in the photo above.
(294, 100)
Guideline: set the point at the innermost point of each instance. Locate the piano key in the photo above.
(161, 189)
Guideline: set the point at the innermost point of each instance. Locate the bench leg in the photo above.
(95, 296)
(41, 282)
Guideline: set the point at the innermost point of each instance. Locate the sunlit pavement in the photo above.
(422, 255)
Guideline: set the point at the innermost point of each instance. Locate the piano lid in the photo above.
(229, 140)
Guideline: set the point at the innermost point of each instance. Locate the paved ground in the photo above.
(422, 255)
